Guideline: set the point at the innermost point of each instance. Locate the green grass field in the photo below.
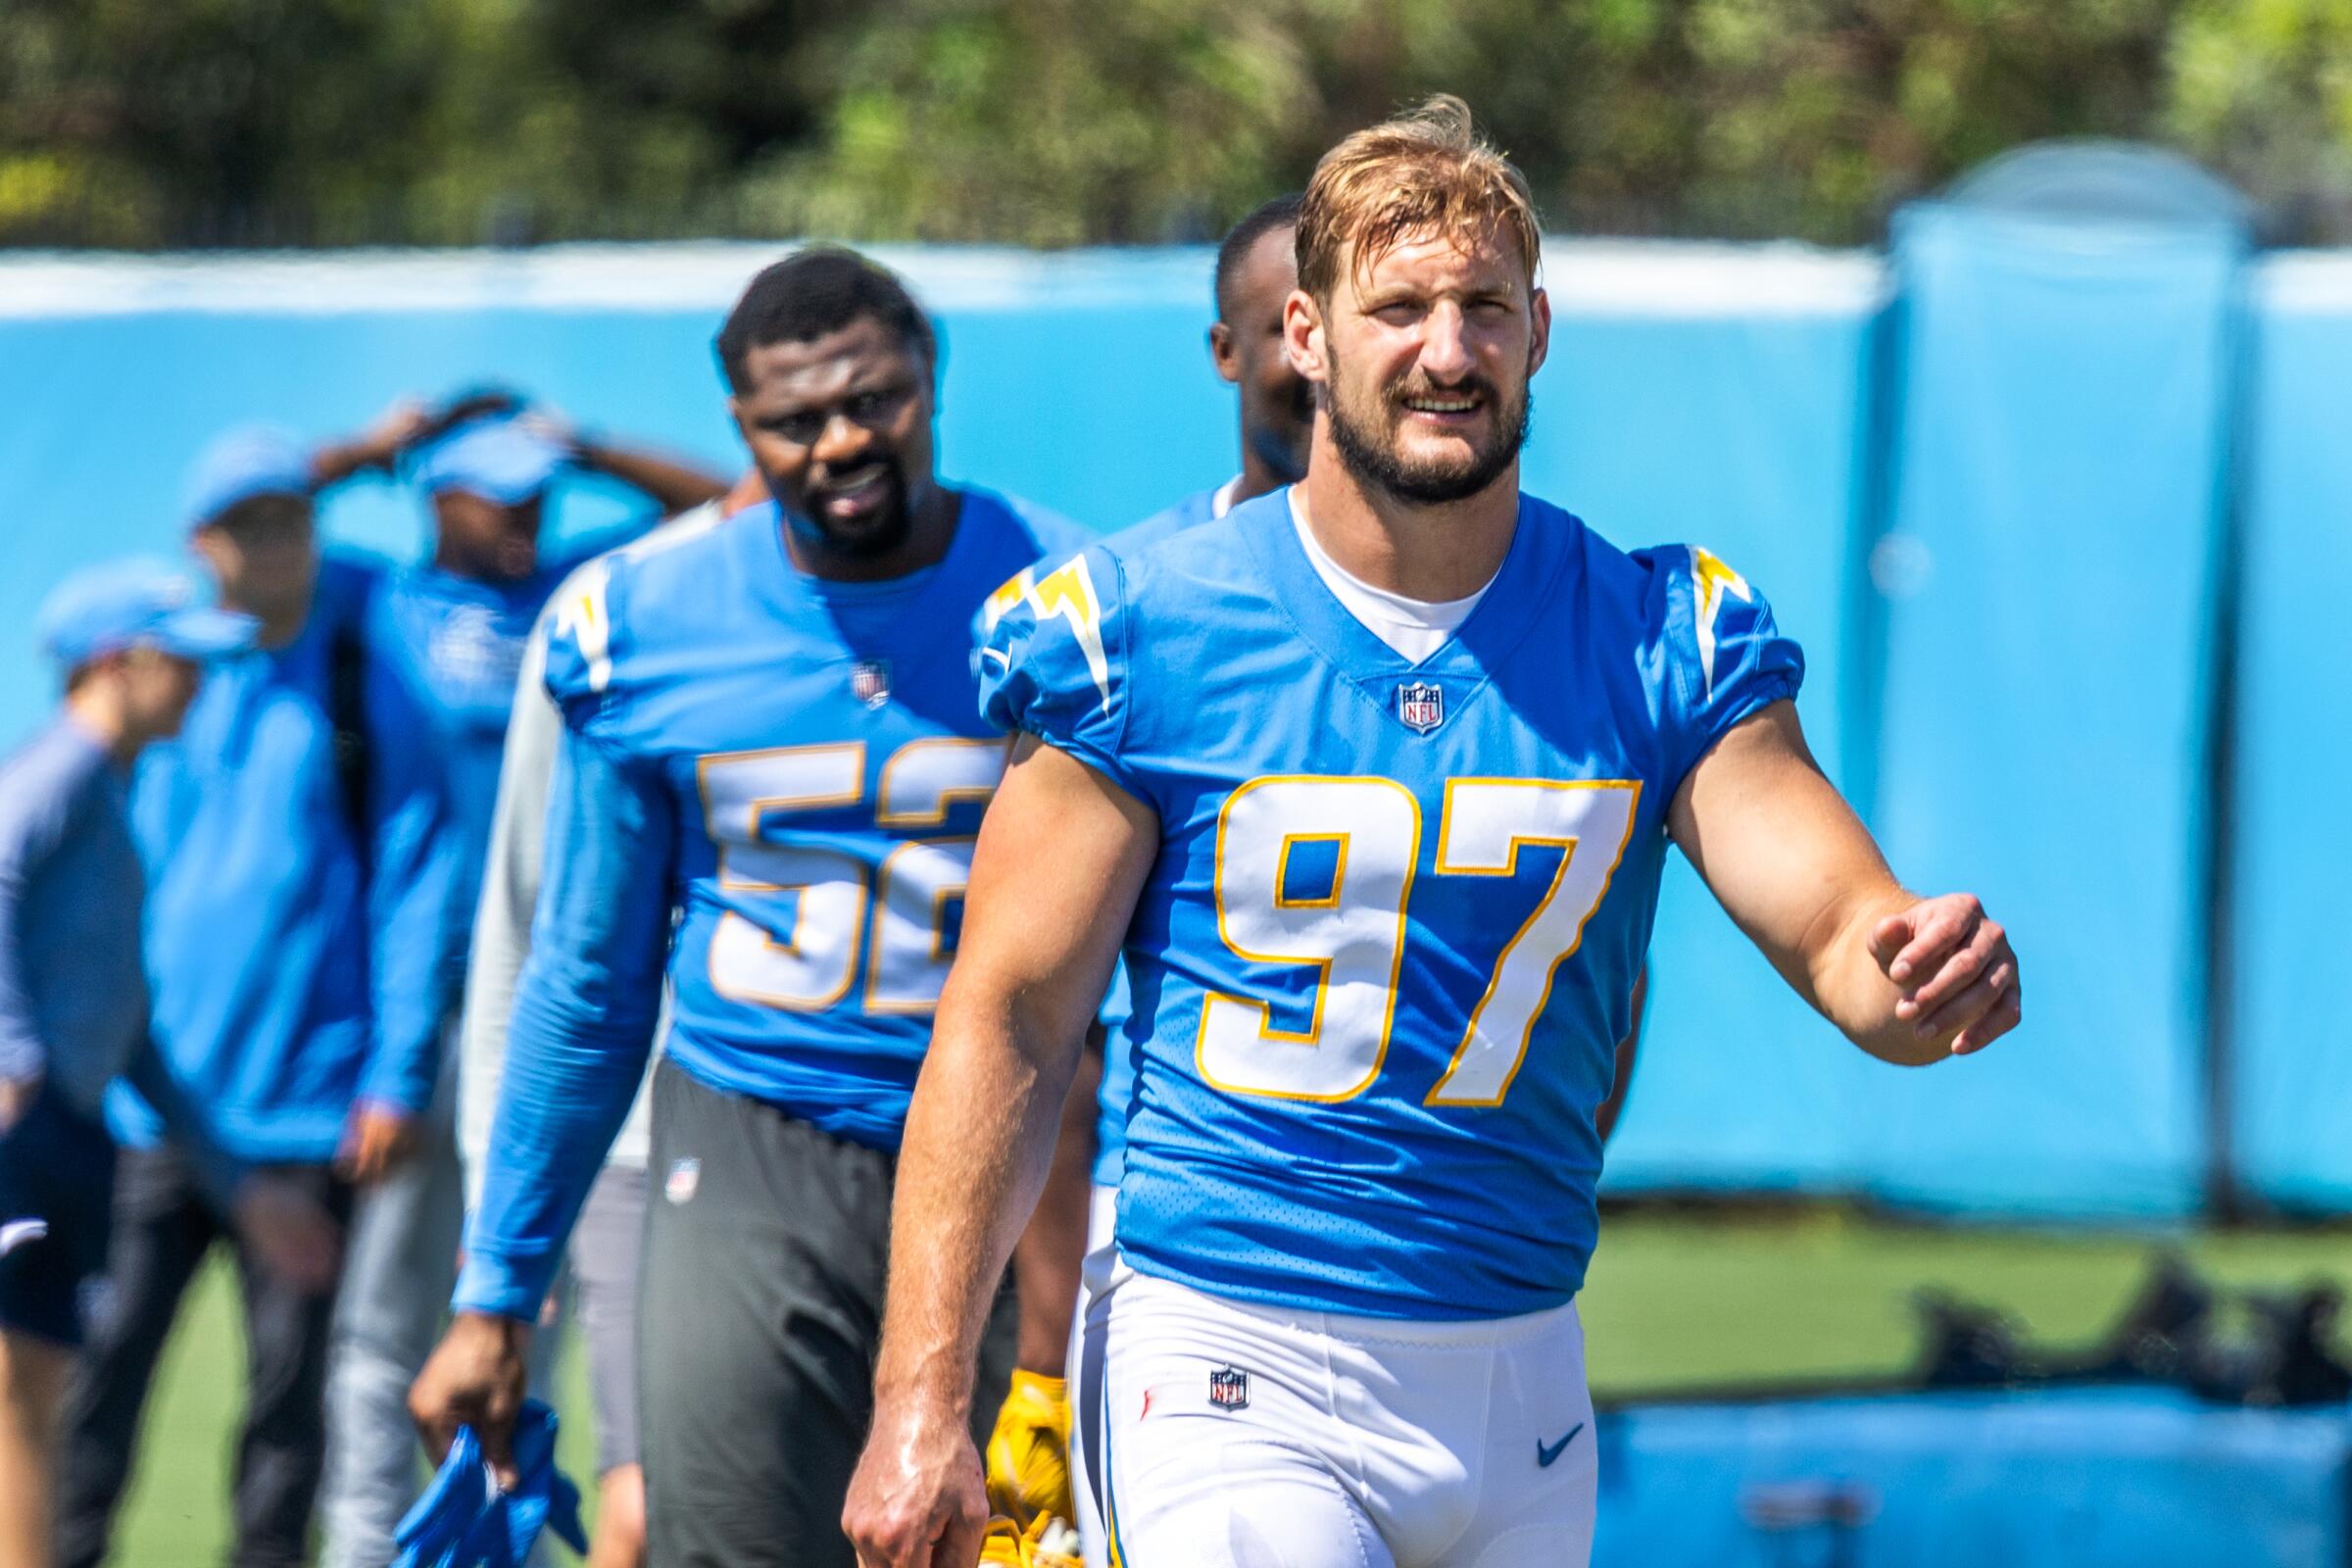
(1675, 1302)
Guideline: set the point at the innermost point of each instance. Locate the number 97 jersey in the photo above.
(1388, 944)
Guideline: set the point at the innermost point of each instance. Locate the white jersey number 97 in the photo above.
(1351, 927)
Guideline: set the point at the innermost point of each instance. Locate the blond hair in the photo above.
(1427, 171)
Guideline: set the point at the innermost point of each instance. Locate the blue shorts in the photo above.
(56, 1198)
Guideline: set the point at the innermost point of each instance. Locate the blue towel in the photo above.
(464, 1521)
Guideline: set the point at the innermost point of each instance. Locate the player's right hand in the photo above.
(17, 1096)
(296, 1238)
(376, 1141)
(474, 1377)
(918, 1500)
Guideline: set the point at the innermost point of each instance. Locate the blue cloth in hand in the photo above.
(464, 1521)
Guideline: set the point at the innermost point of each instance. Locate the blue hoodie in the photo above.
(257, 943)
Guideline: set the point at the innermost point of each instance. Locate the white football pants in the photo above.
(1233, 1436)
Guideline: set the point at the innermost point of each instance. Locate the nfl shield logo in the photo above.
(684, 1177)
(1229, 1389)
(870, 681)
(1421, 706)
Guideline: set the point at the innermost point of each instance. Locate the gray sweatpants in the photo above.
(766, 1243)
(400, 1267)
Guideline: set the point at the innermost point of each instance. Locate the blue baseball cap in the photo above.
(102, 610)
(504, 461)
(253, 459)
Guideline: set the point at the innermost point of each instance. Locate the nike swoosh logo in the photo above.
(20, 1232)
(997, 656)
(1546, 1453)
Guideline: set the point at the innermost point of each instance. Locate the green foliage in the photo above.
(1068, 122)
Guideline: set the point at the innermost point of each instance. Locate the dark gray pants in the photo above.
(766, 1245)
(163, 1228)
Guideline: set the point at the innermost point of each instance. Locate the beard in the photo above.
(884, 530)
(1367, 440)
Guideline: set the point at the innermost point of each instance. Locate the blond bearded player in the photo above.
(1374, 780)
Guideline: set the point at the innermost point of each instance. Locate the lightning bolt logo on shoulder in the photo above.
(580, 616)
(1068, 591)
(1710, 581)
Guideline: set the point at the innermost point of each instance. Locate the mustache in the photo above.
(1471, 385)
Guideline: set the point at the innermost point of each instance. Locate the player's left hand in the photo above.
(1029, 1452)
(918, 1500)
(1954, 969)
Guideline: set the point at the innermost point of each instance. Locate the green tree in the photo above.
(1061, 121)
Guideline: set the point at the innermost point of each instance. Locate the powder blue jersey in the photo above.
(1390, 940)
(797, 768)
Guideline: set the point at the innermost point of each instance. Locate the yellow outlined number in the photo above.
(1354, 935)
(905, 941)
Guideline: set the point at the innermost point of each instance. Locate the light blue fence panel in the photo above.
(2067, 399)
(2292, 834)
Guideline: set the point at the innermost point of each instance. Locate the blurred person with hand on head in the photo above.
(131, 643)
(441, 644)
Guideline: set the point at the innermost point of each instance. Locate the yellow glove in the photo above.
(1029, 1452)
(1046, 1543)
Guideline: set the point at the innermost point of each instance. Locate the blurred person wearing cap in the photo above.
(252, 826)
(132, 644)
(443, 643)
(605, 1250)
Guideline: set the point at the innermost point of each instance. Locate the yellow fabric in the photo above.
(1029, 1452)
(1047, 1543)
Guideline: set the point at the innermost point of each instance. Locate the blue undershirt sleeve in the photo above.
(583, 1021)
(30, 830)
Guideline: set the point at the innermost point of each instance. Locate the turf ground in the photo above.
(1675, 1302)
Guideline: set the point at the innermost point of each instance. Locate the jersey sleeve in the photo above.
(581, 637)
(1054, 662)
(582, 1026)
(1727, 656)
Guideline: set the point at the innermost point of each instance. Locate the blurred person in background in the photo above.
(252, 830)
(74, 1017)
(769, 738)
(442, 643)
(606, 1244)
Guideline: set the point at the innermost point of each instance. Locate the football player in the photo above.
(770, 774)
(1375, 779)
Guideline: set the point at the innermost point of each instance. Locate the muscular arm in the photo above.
(1061, 858)
(672, 485)
(1910, 980)
(1046, 1260)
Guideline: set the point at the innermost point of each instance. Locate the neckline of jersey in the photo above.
(1488, 634)
(907, 592)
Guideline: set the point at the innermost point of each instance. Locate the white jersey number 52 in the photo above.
(748, 798)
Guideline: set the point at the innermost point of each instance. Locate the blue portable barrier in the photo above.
(2095, 1478)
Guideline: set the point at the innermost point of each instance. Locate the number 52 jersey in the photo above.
(1382, 960)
